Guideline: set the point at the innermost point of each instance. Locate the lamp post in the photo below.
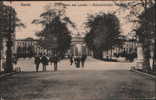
(0, 59)
(154, 62)
(152, 53)
(140, 57)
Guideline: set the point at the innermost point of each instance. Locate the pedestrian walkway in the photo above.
(90, 64)
(77, 85)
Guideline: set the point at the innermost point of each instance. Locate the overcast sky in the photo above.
(76, 10)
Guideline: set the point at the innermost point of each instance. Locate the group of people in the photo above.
(45, 61)
(79, 60)
(53, 60)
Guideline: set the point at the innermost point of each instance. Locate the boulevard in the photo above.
(110, 82)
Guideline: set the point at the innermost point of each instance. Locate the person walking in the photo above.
(51, 60)
(83, 59)
(37, 62)
(71, 60)
(14, 59)
(55, 60)
(44, 61)
(77, 61)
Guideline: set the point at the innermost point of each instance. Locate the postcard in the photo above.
(77, 50)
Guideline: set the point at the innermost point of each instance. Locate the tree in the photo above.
(147, 33)
(103, 33)
(9, 21)
(136, 10)
(55, 35)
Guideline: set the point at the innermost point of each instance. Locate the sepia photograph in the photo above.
(77, 50)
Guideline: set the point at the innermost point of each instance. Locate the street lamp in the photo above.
(152, 53)
(140, 58)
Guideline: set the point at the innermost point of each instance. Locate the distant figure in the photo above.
(15, 59)
(55, 60)
(71, 60)
(77, 61)
(51, 60)
(4, 66)
(83, 59)
(37, 62)
(44, 61)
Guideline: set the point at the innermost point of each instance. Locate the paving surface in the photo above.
(90, 64)
(97, 81)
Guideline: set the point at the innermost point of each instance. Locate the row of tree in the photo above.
(103, 31)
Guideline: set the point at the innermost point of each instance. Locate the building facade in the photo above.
(29, 47)
(78, 46)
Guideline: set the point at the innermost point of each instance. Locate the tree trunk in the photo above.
(111, 53)
(0, 59)
(146, 51)
(9, 65)
(98, 54)
(146, 48)
(0, 54)
(154, 62)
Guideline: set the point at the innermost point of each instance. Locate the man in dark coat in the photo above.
(44, 61)
(51, 60)
(77, 61)
(71, 60)
(37, 62)
(83, 59)
(55, 60)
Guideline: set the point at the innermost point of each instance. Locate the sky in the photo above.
(77, 11)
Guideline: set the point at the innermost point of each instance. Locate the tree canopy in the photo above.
(104, 32)
(148, 23)
(55, 34)
(8, 20)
